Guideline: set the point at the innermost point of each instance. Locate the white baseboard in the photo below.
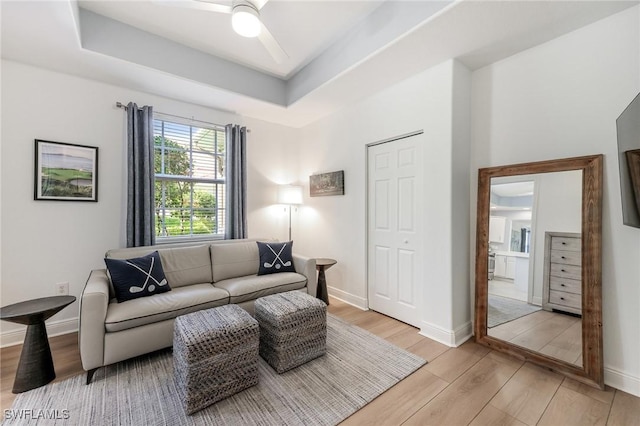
(623, 381)
(452, 338)
(463, 333)
(357, 301)
(537, 301)
(54, 328)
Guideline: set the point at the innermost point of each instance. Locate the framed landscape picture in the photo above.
(327, 184)
(65, 172)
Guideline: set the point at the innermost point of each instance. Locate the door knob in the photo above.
(406, 241)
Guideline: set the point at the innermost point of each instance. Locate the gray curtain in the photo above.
(140, 174)
(236, 176)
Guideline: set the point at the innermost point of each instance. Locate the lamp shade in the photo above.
(289, 194)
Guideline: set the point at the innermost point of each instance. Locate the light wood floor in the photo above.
(468, 385)
(506, 288)
(550, 333)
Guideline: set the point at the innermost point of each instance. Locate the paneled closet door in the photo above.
(395, 240)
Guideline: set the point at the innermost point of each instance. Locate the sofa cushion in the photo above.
(137, 277)
(246, 288)
(234, 260)
(182, 265)
(129, 252)
(148, 310)
(275, 257)
(186, 265)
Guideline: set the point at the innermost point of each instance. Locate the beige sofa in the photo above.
(201, 276)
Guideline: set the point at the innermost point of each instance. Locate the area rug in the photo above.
(358, 367)
(503, 309)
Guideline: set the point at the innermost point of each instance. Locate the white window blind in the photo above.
(190, 191)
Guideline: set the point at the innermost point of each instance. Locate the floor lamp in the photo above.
(290, 195)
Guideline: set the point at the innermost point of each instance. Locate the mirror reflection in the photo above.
(534, 263)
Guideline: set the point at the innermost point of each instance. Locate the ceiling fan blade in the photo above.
(259, 4)
(272, 46)
(196, 4)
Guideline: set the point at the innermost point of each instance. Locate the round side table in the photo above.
(323, 264)
(35, 368)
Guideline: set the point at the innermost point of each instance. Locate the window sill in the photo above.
(188, 239)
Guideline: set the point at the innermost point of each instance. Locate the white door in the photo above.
(511, 267)
(496, 229)
(395, 242)
(501, 266)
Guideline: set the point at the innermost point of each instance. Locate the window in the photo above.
(189, 179)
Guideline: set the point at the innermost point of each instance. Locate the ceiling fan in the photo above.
(245, 20)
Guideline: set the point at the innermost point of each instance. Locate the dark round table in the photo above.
(323, 264)
(35, 368)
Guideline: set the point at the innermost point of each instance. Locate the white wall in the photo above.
(45, 242)
(461, 190)
(335, 226)
(561, 99)
(558, 208)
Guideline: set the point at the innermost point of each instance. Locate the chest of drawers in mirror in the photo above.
(562, 286)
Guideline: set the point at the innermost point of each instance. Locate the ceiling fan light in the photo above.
(246, 21)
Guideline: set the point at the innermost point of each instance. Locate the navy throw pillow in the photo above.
(275, 257)
(138, 277)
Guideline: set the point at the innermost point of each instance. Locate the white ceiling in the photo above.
(303, 28)
(340, 51)
(514, 189)
(512, 196)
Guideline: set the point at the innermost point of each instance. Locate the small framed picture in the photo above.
(65, 172)
(326, 184)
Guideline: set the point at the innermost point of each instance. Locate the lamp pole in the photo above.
(290, 195)
(290, 221)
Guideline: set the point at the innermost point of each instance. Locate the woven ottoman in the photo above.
(215, 355)
(293, 329)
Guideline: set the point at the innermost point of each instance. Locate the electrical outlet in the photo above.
(62, 289)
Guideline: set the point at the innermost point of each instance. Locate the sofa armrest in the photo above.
(307, 267)
(93, 313)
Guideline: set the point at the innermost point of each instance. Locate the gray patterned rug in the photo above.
(503, 309)
(358, 367)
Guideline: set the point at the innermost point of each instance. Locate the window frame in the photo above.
(219, 214)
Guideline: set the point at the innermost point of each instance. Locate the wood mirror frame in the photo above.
(592, 371)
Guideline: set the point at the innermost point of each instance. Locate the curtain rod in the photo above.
(123, 106)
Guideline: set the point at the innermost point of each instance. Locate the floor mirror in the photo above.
(538, 264)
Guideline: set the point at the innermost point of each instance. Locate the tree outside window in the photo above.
(189, 180)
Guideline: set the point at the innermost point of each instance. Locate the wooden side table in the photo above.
(323, 264)
(35, 368)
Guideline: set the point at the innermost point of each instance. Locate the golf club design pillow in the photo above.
(139, 277)
(275, 257)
